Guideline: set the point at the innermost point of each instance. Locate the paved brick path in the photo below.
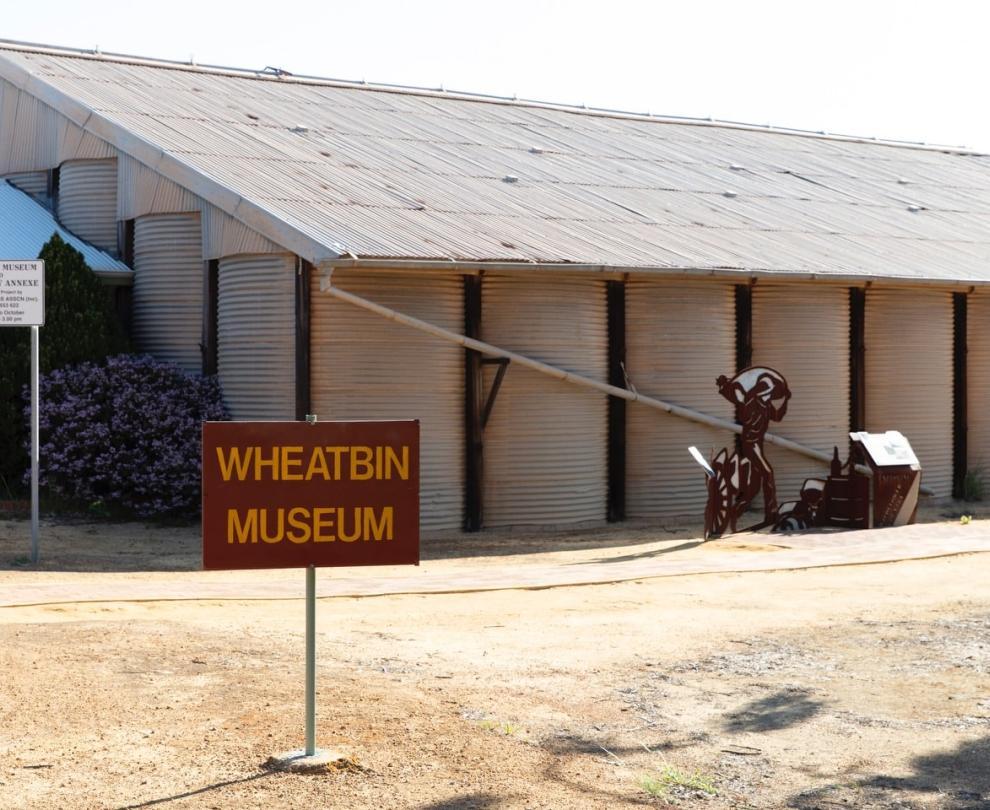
(740, 553)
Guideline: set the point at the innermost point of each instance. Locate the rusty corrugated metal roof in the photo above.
(375, 172)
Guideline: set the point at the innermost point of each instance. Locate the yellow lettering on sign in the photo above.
(361, 468)
(317, 465)
(374, 529)
(260, 462)
(321, 522)
(325, 524)
(234, 462)
(394, 462)
(279, 533)
(301, 523)
(242, 531)
(335, 452)
(288, 463)
(355, 532)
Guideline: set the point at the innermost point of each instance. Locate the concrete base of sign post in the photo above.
(323, 759)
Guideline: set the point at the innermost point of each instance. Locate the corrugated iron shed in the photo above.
(25, 227)
(332, 169)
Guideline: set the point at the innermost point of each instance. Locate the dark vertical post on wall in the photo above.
(123, 301)
(744, 333)
(473, 431)
(54, 176)
(744, 326)
(960, 416)
(208, 345)
(304, 274)
(857, 359)
(616, 297)
(125, 241)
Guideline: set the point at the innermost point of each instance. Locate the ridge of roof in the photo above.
(281, 76)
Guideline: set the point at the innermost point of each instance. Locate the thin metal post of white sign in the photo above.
(35, 431)
(22, 303)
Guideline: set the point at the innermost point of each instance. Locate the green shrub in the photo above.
(973, 485)
(80, 325)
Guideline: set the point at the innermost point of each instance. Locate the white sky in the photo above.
(906, 70)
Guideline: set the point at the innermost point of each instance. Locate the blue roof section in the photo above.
(25, 227)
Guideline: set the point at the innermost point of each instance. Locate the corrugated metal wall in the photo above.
(546, 441)
(802, 331)
(29, 131)
(365, 367)
(87, 201)
(33, 183)
(225, 236)
(144, 191)
(74, 143)
(680, 336)
(36, 137)
(168, 288)
(256, 336)
(909, 374)
(978, 383)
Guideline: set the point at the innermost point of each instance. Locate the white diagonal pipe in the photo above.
(568, 376)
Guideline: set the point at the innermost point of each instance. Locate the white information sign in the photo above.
(22, 292)
(887, 449)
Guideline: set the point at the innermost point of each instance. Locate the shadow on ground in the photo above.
(575, 749)
(774, 712)
(102, 546)
(80, 544)
(954, 780)
(643, 555)
(469, 801)
(196, 792)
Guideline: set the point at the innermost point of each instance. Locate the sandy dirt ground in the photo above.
(860, 687)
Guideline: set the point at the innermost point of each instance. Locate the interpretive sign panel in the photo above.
(22, 292)
(293, 494)
(896, 477)
(890, 449)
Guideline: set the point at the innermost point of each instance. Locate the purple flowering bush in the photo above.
(126, 433)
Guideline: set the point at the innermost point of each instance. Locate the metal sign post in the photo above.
(22, 303)
(311, 661)
(310, 750)
(35, 441)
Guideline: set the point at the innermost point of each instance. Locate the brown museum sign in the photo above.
(293, 494)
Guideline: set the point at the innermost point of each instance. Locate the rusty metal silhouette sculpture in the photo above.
(760, 396)
(843, 499)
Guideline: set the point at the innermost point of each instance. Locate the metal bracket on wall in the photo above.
(503, 364)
